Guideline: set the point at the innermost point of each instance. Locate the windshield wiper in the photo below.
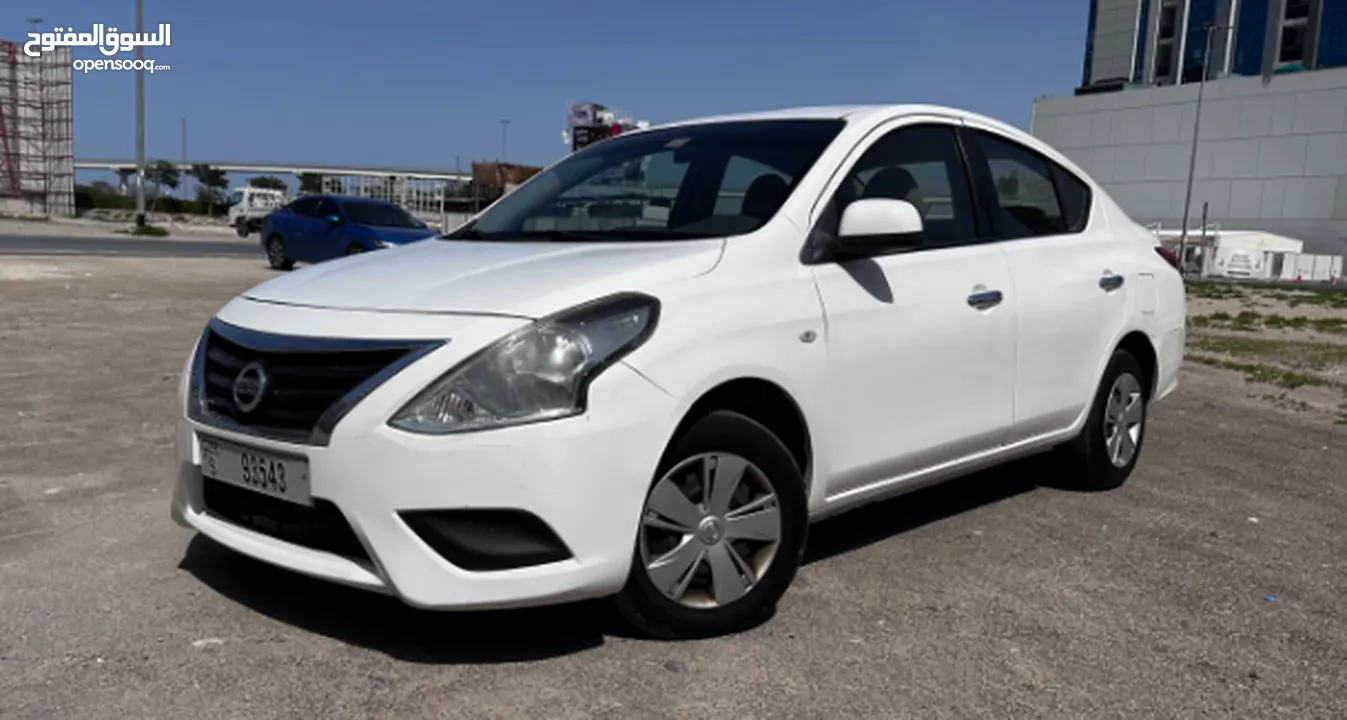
(463, 233)
(564, 236)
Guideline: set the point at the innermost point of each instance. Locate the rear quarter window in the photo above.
(1075, 197)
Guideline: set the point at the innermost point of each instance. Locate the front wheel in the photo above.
(276, 256)
(722, 532)
(1103, 456)
(241, 227)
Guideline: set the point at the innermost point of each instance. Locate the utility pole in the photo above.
(1208, 29)
(184, 159)
(140, 118)
(504, 137)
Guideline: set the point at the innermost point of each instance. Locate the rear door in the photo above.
(1069, 274)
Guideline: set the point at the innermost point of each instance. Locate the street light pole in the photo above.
(504, 137)
(140, 118)
(184, 157)
(1208, 29)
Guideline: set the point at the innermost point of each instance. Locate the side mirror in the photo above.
(878, 226)
(335, 220)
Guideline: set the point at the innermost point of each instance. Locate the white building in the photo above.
(1272, 153)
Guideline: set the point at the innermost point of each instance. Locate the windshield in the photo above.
(697, 181)
(377, 214)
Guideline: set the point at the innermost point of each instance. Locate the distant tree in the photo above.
(310, 183)
(163, 174)
(268, 182)
(212, 183)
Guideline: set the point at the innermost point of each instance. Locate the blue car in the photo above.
(315, 228)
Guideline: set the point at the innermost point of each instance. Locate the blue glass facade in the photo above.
(1089, 42)
(1250, 37)
(1333, 35)
(1199, 12)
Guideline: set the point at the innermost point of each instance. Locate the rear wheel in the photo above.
(722, 532)
(276, 256)
(1103, 456)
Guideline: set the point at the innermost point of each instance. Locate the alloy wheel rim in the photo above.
(274, 250)
(710, 530)
(1124, 414)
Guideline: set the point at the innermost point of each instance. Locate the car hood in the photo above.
(398, 236)
(524, 279)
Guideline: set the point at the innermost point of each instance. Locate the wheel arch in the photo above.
(765, 402)
(1139, 345)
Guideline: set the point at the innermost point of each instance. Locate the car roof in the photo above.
(346, 198)
(861, 114)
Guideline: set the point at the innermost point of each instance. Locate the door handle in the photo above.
(1111, 282)
(985, 299)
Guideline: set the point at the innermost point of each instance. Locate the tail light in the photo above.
(1168, 255)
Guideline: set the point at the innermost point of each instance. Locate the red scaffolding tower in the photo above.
(37, 159)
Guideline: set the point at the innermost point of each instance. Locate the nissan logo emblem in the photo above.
(249, 387)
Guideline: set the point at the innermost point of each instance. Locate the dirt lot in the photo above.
(1211, 585)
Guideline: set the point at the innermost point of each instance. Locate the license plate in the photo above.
(279, 476)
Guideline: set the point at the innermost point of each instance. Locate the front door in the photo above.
(921, 344)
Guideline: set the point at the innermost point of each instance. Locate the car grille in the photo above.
(320, 527)
(310, 382)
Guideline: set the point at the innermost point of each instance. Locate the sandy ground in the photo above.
(1295, 340)
(1211, 585)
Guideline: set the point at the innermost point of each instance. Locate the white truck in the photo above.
(248, 205)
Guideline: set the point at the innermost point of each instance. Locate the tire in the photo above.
(276, 256)
(1089, 462)
(241, 227)
(735, 442)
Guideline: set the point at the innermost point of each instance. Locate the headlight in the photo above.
(541, 372)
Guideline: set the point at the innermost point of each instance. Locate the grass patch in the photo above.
(150, 231)
(1252, 321)
(1213, 291)
(1317, 356)
(1265, 373)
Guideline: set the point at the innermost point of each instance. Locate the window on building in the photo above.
(1294, 32)
(1293, 44)
(1166, 40)
(1200, 12)
(1164, 61)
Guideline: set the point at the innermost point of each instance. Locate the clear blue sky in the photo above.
(418, 82)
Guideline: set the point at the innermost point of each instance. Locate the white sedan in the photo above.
(645, 372)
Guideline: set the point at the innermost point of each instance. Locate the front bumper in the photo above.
(584, 478)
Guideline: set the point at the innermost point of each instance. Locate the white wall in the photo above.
(1271, 156)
